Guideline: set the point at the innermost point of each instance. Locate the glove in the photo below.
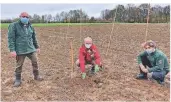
(83, 75)
(96, 68)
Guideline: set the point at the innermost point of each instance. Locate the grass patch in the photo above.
(5, 25)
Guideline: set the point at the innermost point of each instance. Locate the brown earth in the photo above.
(115, 82)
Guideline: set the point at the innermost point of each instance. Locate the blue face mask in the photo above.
(24, 20)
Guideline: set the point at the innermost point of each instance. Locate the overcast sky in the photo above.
(13, 10)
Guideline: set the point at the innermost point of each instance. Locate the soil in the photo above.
(117, 80)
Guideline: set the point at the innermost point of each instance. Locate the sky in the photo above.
(13, 10)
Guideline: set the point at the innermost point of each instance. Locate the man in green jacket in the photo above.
(153, 63)
(22, 43)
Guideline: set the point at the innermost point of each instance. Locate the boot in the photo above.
(17, 81)
(37, 76)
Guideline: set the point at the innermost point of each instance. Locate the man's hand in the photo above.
(38, 50)
(13, 54)
(168, 75)
(83, 75)
(143, 68)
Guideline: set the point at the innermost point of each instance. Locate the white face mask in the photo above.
(88, 45)
(149, 51)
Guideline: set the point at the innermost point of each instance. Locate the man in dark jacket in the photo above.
(153, 63)
(22, 43)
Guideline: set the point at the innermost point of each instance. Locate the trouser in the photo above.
(20, 60)
(159, 76)
(90, 63)
(86, 62)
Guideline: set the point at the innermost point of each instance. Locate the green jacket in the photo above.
(22, 38)
(157, 59)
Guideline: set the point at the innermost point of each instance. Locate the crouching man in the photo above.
(88, 54)
(153, 63)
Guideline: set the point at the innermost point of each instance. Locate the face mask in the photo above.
(88, 45)
(149, 51)
(24, 20)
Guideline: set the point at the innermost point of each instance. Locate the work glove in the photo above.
(96, 68)
(83, 75)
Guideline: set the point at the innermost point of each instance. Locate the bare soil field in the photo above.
(117, 80)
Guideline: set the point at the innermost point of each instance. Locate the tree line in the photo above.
(129, 13)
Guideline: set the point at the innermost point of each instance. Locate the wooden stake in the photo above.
(80, 26)
(111, 34)
(72, 58)
(146, 32)
(67, 28)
